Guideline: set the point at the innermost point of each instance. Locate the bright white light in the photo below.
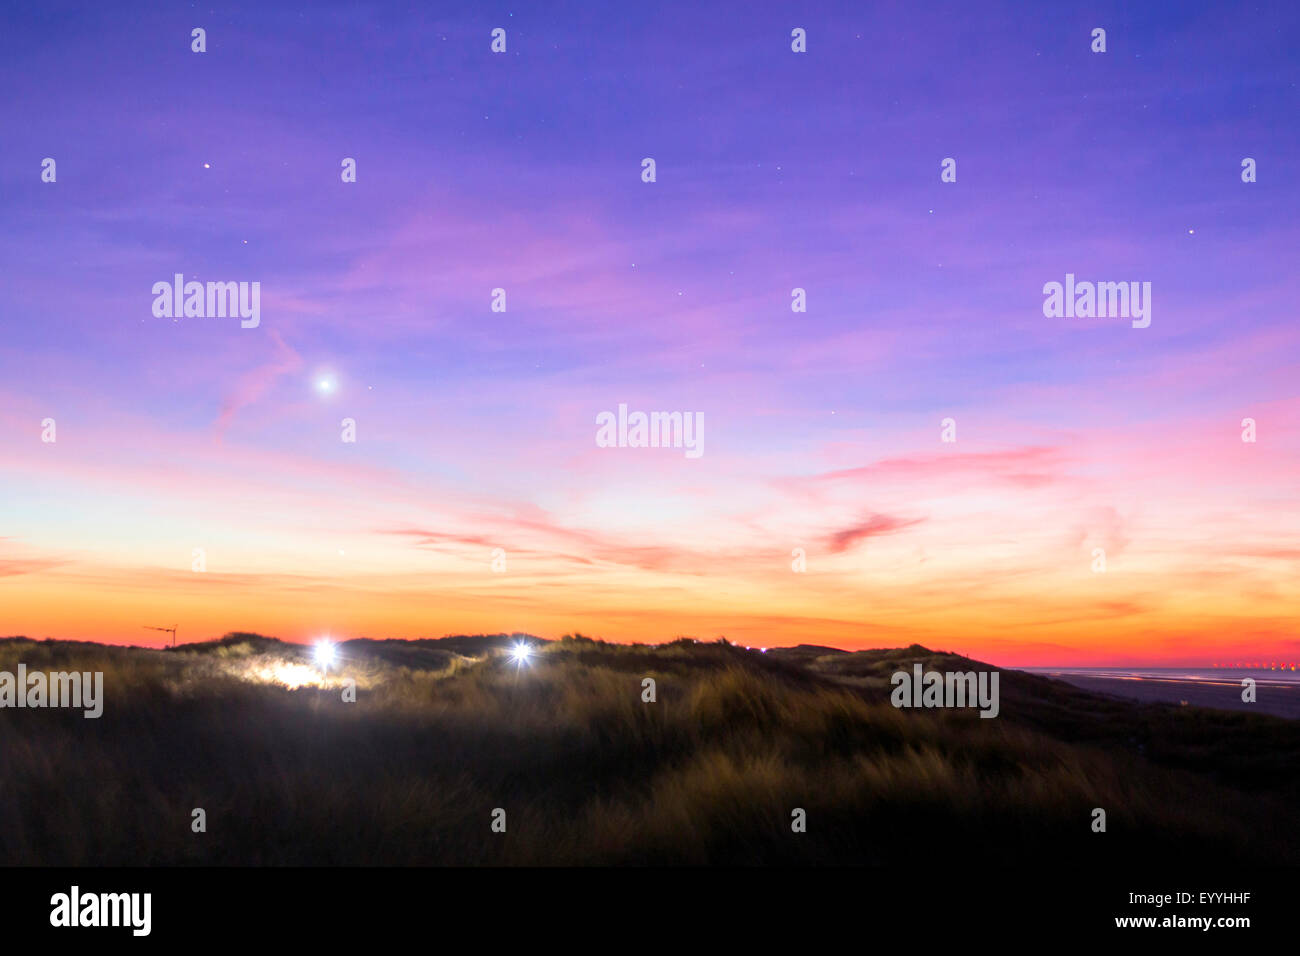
(324, 653)
(521, 653)
(325, 380)
(284, 673)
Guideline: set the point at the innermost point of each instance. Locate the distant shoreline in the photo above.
(1280, 698)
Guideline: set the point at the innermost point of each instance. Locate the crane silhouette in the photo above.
(168, 630)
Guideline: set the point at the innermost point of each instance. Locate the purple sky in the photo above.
(775, 170)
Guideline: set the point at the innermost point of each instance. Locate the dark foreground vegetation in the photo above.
(442, 733)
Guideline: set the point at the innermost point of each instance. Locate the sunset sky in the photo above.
(775, 170)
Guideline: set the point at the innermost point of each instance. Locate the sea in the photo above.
(1212, 675)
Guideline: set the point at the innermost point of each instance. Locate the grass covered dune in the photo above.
(443, 732)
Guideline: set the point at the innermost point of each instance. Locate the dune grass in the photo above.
(440, 735)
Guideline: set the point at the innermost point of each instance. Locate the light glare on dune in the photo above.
(283, 673)
(290, 675)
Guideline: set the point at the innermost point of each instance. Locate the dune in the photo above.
(456, 751)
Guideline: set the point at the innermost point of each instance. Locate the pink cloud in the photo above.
(254, 384)
(874, 526)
